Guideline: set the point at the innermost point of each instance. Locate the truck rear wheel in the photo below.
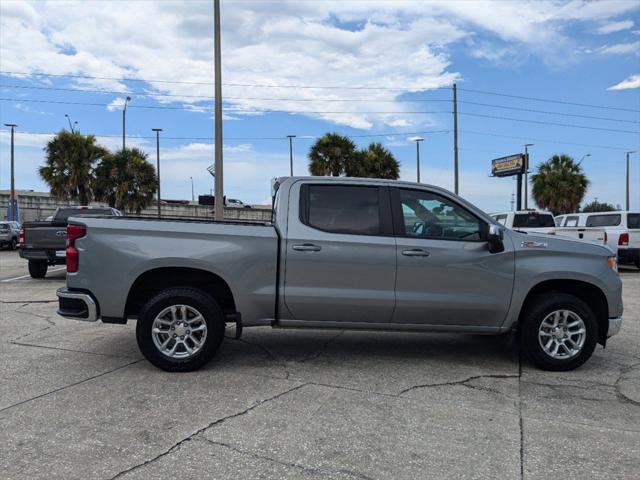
(558, 332)
(38, 268)
(180, 329)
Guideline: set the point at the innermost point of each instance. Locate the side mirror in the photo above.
(495, 236)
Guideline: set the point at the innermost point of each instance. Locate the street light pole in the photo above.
(157, 130)
(526, 175)
(219, 193)
(583, 157)
(70, 124)
(418, 140)
(12, 196)
(627, 196)
(124, 116)
(291, 137)
(193, 197)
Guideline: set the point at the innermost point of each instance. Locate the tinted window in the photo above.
(533, 220)
(572, 221)
(428, 215)
(603, 220)
(343, 209)
(633, 220)
(4, 226)
(558, 221)
(64, 213)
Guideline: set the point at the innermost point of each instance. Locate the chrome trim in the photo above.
(614, 326)
(92, 308)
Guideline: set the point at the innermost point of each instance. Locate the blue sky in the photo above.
(397, 58)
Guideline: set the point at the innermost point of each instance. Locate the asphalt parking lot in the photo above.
(78, 401)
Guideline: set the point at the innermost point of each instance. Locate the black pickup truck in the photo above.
(45, 243)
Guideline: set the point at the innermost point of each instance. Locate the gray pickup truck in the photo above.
(342, 253)
(45, 243)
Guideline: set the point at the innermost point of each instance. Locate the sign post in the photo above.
(509, 166)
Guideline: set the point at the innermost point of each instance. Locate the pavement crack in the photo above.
(47, 347)
(215, 423)
(69, 386)
(321, 351)
(463, 382)
(301, 467)
(270, 355)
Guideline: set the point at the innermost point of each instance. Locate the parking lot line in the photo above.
(27, 276)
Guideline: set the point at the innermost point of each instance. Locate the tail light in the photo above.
(606, 239)
(73, 233)
(623, 241)
(21, 237)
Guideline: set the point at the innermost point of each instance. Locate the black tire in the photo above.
(638, 263)
(536, 311)
(13, 244)
(38, 268)
(197, 299)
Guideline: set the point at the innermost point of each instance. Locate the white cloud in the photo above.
(633, 81)
(620, 48)
(611, 27)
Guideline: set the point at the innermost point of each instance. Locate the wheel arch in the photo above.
(589, 293)
(155, 280)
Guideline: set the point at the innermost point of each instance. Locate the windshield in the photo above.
(4, 226)
(533, 220)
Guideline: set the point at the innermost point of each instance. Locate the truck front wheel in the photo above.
(38, 268)
(180, 329)
(558, 331)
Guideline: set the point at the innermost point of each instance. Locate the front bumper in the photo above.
(614, 326)
(77, 305)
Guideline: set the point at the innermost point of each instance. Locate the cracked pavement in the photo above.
(77, 401)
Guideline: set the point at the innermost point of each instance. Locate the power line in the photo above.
(548, 100)
(264, 85)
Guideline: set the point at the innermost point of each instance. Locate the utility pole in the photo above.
(627, 203)
(219, 194)
(12, 196)
(157, 130)
(418, 140)
(124, 116)
(526, 175)
(70, 124)
(519, 192)
(455, 139)
(291, 137)
(193, 197)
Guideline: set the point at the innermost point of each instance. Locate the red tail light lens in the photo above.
(21, 237)
(606, 239)
(73, 232)
(623, 241)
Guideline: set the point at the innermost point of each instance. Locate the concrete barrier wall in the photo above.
(39, 205)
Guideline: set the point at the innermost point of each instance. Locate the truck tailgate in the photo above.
(45, 236)
(585, 234)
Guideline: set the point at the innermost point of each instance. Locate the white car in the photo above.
(527, 221)
(622, 231)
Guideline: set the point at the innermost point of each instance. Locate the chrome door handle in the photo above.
(415, 252)
(307, 247)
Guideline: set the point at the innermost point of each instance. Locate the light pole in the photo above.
(291, 137)
(193, 197)
(627, 196)
(583, 157)
(157, 130)
(526, 174)
(417, 140)
(12, 196)
(124, 117)
(217, 61)
(70, 124)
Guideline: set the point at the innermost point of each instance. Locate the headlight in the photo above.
(613, 263)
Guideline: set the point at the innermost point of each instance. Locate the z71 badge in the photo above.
(531, 244)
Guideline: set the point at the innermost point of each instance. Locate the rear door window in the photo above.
(604, 220)
(572, 221)
(633, 220)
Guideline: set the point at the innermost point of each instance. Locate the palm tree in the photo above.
(330, 154)
(126, 181)
(69, 165)
(374, 162)
(559, 185)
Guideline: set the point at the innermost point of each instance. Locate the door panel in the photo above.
(340, 277)
(451, 281)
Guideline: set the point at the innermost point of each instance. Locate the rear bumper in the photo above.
(51, 256)
(614, 326)
(77, 305)
(628, 255)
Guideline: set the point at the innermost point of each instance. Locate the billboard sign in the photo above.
(507, 166)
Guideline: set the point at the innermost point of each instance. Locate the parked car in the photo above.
(527, 221)
(9, 232)
(622, 231)
(44, 243)
(568, 226)
(342, 253)
(235, 203)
